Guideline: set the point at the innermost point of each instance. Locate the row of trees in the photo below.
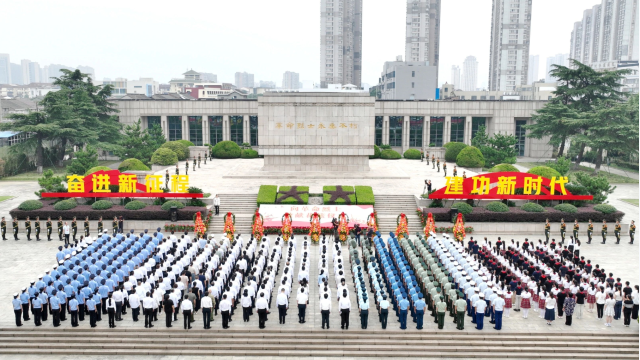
(590, 111)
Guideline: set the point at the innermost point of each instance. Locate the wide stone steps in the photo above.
(389, 207)
(243, 206)
(334, 343)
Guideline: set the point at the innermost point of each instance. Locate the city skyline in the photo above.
(266, 54)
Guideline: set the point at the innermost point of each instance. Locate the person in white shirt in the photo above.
(225, 310)
(111, 310)
(283, 304)
(303, 300)
(262, 305)
(134, 303)
(147, 305)
(118, 297)
(344, 305)
(325, 309)
(187, 308)
(206, 304)
(245, 301)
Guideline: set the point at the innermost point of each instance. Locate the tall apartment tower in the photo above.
(534, 66)
(470, 74)
(509, 52)
(423, 32)
(455, 76)
(244, 79)
(340, 42)
(5, 69)
(558, 59)
(290, 80)
(607, 34)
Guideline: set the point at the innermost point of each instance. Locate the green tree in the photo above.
(139, 144)
(496, 149)
(561, 165)
(553, 121)
(83, 161)
(598, 186)
(50, 183)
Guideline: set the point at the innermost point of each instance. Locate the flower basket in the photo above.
(257, 229)
(314, 229)
(343, 227)
(229, 225)
(458, 229)
(430, 226)
(286, 226)
(402, 230)
(372, 221)
(200, 229)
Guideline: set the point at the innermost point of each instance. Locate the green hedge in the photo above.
(341, 201)
(504, 168)
(164, 156)
(132, 165)
(605, 208)
(470, 157)
(567, 208)
(281, 199)
(177, 147)
(135, 205)
(186, 143)
(65, 205)
(248, 154)
(167, 206)
(453, 149)
(497, 206)
(226, 150)
(376, 152)
(463, 208)
(364, 195)
(543, 171)
(102, 205)
(412, 154)
(96, 169)
(389, 155)
(267, 194)
(30, 205)
(532, 207)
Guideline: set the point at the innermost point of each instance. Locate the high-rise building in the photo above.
(244, 79)
(408, 80)
(607, 34)
(509, 52)
(26, 71)
(558, 59)
(209, 77)
(5, 69)
(470, 68)
(16, 74)
(422, 42)
(44, 74)
(534, 65)
(455, 76)
(34, 72)
(267, 84)
(54, 71)
(340, 42)
(291, 80)
(87, 70)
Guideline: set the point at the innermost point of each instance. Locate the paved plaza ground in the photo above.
(22, 261)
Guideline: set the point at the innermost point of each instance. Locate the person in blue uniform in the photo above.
(37, 309)
(24, 298)
(419, 308)
(54, 303)
(403, 305)
(17, 309)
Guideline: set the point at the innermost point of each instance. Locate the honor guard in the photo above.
(427, 158)
(576, 227)
(433, 161)
(455, 171)
(438, 164)
(177, 170)
(60, 228)
(194, 163)
(114, 224)
(100, 226)
(444, 168)
(205, 159)
(604, 231)
(37, 226)
(74, 228)
(27, 226)
(616, 231)
(464, 174)
(49, 228)
(632, 231)
(211, 155)
(563, 230)
(15, 229)
(199, 159)
(186, 167)
(547, 229)
(166, 179)
(3, 227)
(589, 232)
(86, 226)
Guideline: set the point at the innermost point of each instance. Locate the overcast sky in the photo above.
(159, 39)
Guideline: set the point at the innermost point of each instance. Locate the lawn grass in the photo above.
(57, 171)
(631, 201)
(613, 178)
(3, 198)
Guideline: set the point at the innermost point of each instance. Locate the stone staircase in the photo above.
(243, 206)
(389, 207)
(327, 343)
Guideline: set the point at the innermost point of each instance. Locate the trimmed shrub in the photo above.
(463, 208)
(181, 150)
(567, 208)
(605, 208)
(389, 155)
(376, 152)
(284, 198)
(135, 205)
(453, 149)
(132, 165)
(97, 168)
(543, 171)
(327, 197)
(532, 207)
(517, 215)
(248, 154)
(577, 189)
(497, 206)
(65, 205)
(267, 194)
(150, 212)
(102, 205)
(164, 156)
(470, 157)
(385, 147)
(194, 190)
(30, 205)
(510, 160)
(364, 195)
(169, 204)
(412, 154)
(226, 150)
(186, 143)
(504, 168)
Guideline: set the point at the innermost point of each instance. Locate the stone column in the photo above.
(185, 127)
(246, 135)
(467, 130)
(405, 133)
(446, 132)
(427, 131)
(165, 126)
(205, 129)
(385, 130)
(225, 128)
